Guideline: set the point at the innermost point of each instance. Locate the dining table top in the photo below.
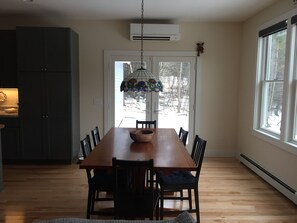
(165, 148)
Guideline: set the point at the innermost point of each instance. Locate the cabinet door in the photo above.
(58, 107)
(57, 49)
(32, 116)
(31, 98)
(8, 74)
(30, 49)
(32, 138)
(43, 49)
(10, 139)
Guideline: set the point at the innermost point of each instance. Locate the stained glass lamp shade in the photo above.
(141, 80)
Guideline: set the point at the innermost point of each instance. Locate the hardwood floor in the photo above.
(229, 193)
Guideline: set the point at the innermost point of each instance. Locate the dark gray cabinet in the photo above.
(10, 139)
(46, 124)
(8, 65)
(48, 98)
(44, 49)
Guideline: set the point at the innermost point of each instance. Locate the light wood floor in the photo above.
(229, 193)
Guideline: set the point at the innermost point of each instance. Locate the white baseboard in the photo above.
(268, 177)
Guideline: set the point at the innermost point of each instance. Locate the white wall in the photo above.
(220, 70)
(277, 161)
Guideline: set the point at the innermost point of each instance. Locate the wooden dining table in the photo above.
(165, 148)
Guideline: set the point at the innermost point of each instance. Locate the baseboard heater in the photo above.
(281, 186)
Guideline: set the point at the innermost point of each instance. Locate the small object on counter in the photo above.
(2, 96)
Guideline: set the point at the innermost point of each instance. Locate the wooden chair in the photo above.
(183, 135)
(183, 180)
(146, 124)
(132, 199)
(95, 136)
(96, 140)
(98, 181)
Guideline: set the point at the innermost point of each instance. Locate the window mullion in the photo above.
(287, 125)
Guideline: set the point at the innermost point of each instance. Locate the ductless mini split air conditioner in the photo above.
(164, 32)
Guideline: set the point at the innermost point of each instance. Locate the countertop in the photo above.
(5, 114)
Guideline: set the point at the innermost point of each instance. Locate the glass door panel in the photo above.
(175, 105)
(129, 106)
(172, 108)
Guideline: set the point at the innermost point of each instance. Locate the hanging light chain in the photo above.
(141, 51)
(141, 80)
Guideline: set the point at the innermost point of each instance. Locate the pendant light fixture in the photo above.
(141, 80)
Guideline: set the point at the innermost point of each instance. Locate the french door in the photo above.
(172, 108)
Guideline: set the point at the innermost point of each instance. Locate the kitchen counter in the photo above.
(1, 168)
(9, 115)
(10, 110)
(5, 114)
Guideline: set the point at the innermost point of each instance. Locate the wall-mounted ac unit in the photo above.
(165, 32)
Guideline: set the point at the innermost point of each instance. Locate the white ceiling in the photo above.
(180, 10)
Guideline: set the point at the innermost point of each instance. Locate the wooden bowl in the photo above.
(141, 135)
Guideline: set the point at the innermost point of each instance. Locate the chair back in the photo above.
(131, 196)
(198, 153)
(95, 136)
(146, 124)
(86, 146)
(86, 150)
(183, 135)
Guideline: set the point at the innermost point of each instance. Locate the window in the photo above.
(275, 115)
(273, 68)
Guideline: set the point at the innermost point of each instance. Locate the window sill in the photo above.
(286, 146)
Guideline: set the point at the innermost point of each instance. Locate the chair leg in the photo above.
(147, 178)
(97, 194)
(89, 202)
(190, 199)
(93, 199)
(197, 205)
(157, 211)
(162, 204)
(181, 193)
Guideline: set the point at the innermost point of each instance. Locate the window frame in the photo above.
(285, 140)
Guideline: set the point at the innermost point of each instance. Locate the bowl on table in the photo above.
(141, 135)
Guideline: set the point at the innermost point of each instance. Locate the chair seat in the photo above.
(176, 180)
(103, 180)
